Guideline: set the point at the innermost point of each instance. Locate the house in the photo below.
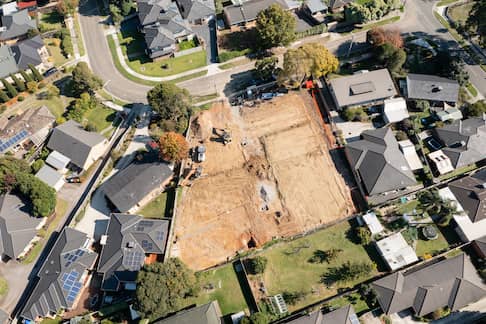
(196, 11)
(343, 315)
(20, 55)
(317, 9)
(31, 128)
(51, 177)
(437, 90)
(62, 277)
(396, 252)
(469, 197)
(80, 146)
(372, 223)
(130, 242)
(410, 154)
(58, 161)
(451, 282)
(15, 26)
(137, 184)
(463, 141)
(163, 25)
(378, 164)
(18, 228)
(441, 162)
(245, 13)
(205, 314)
(362, 89)
(479, 245)
(394, 110)
(449, 114)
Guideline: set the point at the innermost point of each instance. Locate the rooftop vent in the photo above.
(130, 244)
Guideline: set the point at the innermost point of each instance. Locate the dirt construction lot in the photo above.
(274, 179)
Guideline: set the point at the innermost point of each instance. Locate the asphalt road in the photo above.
(418, 20)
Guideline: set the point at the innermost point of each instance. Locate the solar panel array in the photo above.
(159, 235)
(141, 225)
(147, 245)
(13, 140)
(133, 260)
(71, 285)
(72, 256)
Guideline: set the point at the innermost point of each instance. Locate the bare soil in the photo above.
(276, 178)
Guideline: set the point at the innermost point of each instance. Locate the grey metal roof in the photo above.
(17, 226)
(431, 87)
(452, 282)
(193, 10)
(248, 10)
(129, 186)
(470, 192)
(69, 255)
(343, 315)
(71, 140)
(363, 88)
(204, 314)
(26, 52)
(464, 141)
(379, 162)
(57, 160)
(17, 24)
(127, 236)
(150, 10)
(316, 5)
(7, 61)
(49, 176)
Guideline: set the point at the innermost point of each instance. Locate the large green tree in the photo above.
(275, 27)
(311, 59)
(172, 104)
(392, 57)
(266, 67)
(477, 19)
(84, 80)
(476, 109)
(162, 288)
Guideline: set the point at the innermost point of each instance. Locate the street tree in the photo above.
(116, 15)
(173, 147)
(378, 36)
(275, 27)
(84, 80)
(163, 287)
(266, 67)
(476, 109)
(172, 104)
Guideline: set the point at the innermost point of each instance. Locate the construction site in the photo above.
(259, 173)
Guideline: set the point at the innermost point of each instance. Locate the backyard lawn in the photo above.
(101, 117)
(222, 285)
(57, 57)
(132, 45)
(161, 206)
(430, 247)
(359, 304)
(51, 20)
(288, 269)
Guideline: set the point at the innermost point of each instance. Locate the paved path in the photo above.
(69, 21)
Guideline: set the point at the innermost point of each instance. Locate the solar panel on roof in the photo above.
(159, 235)
(146, 223)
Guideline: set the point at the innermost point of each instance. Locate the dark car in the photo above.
(51, 71)
(74, 180)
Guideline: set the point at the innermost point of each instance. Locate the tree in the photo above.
(476, 109)
(10, 88)
(321, 256)
(18, 83)
(37, 165)
(80, 106)
(172, 104)
(162, 288)
(173, 147)
(115, 14)
(477, 20)
(293, 298)
(67, 7)
(347, 272)
(359, 13)
(458, 72)
(393, 58)
(84, 80)
(275, 27)
(364, 235)
(265, 68)
(26, 76)
(37, 75)
(126, 7)
(31, 86)
(309, 60)
(258, 264)
(255, 318)
(378, 36)
(32, 33)
(3, 96)
(422, 105)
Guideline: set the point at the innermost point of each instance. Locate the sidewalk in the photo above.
(74, 38)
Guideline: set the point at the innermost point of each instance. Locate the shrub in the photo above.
(258, 264)
(26, 76)
(37, 75)
(3, 96)
(41, 85)
(18, 83)
(10, 89)
(364, 235)
(20, 98)
(31, 86)
(37, 165)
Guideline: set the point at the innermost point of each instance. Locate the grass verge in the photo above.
(189, 77)
(3, 286)
(377, 24)
(105, 95)
(79, 35)
(472, 90)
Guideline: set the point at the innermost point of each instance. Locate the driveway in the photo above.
(208, 33)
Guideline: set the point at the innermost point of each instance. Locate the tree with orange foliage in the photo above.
(379, 36)
(173, 147)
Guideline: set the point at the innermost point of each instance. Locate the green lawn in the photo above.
(457, 172)
(80, 36)
(408, 207)
(101, 117)
(187, 44)
(226, 290)
(359, 304)
(288, 268)
(57, 57)
(57, 320)
(155, 208)
(3, 286)
(132, 43)
(445, 2)
(472, 90)
(431, 247)
(52, 20)
(56, 105)
(460, 13)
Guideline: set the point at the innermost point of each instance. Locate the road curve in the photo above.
(100, 58)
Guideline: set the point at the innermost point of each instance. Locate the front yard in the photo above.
(289, 269)
(101, 117)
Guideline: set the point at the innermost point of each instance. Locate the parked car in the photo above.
(267, 95)
(73, 180)
(51, 71)
(201, 153)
